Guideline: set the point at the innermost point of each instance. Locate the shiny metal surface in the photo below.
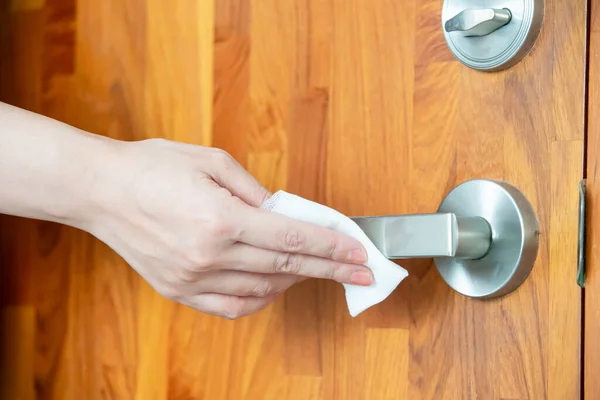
(478, 22)
(474, 237)
(484, 237)
(428, 235)
(514, 239)
(500, 48)
(581, 242)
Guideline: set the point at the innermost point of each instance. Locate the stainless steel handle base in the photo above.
(486, 39)
(483, 239)
(514, 246)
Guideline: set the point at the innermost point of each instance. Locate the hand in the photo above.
(187, 218)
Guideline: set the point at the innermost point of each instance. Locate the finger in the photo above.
(230, 307)
(253, 259)
(241, 283)
(228, 173)
(272, 231)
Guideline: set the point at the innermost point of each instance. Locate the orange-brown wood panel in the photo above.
(355, 104)
(592, 289)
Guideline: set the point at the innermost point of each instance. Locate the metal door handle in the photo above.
(484, 237)
(428, 235)
(478, 22)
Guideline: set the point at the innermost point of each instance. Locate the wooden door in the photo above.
(356, 104)
(359, 105)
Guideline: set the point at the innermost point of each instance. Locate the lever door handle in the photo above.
(484, 237)
(428, 235)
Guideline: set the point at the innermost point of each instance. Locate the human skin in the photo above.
(187, 218)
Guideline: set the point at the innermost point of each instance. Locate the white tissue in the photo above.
(387, 274)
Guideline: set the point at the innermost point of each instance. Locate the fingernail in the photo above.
(361, 278)
(357, 255)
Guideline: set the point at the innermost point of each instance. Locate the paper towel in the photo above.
(387, 274)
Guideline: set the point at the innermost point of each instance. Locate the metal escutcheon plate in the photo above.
(514, 239)
(502, 48)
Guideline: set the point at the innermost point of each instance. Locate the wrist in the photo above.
(106, 184)
(48, 169)
(86, 161)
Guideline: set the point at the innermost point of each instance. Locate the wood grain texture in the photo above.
(338, 102)
(592, 288)
(17, 341)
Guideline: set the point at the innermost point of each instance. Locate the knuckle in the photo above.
(188, 276)
(223, 158)
(332, 271)
(262, 289)
(292, 240)
(260, 193)
(220, 226)
(332, 247)
(201, 262)
(287, 263)
(202, 265)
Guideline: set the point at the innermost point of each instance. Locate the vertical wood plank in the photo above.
(17, 342)
(570, 38)
(51, 254)
(262, 338)
(269, 383)
(435, 119)
(432, 373)
(565, 315)
(527, 165)
(231, 78)
(20, 81)
(304, 387)
(591, 346)
(365, 101)
(114, 321)
(219, 346)
(479, 149)
(188, 354)
(206, 32)
(174, 85)
(152, 343)
(430, 45)
(80, 374)
(387, 351)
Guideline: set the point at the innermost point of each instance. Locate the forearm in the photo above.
(46, 167)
